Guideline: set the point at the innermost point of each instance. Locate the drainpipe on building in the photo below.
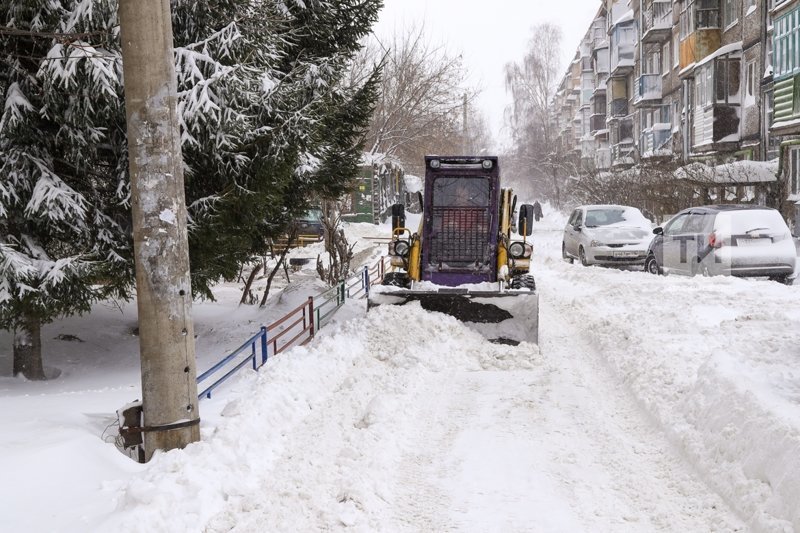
(764, 126)
(686, 123)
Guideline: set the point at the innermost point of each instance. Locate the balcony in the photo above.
(657, 22)
(602, 158)
(599, 34)
(597, 123)
(699, 45)
(649, 88)
(622, 60)
(622, 154)
(704, 36)
(600, 84)
(623, 43)
(656, 141)
(619, 108)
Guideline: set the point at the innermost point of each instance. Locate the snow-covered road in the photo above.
(651, 404)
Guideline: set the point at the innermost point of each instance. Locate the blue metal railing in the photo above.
(295, 328)
(260, 337)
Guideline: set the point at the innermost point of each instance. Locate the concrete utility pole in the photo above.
(166, 334)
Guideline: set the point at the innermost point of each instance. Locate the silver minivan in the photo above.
(734, 240)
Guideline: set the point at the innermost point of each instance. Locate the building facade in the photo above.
(685, 81)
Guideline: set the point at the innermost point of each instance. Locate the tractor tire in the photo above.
(524, 281)
(396, 279)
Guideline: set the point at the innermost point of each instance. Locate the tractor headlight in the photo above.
(401, 248)
(487, 164)
(435, 163)
(516, 250)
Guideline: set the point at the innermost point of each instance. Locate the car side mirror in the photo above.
(577, 227)
(525, 221)
(398, 216)
(658, 230)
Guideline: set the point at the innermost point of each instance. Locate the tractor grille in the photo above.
(460, 239)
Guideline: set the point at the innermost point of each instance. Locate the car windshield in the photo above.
(312, 215)
(616, 216)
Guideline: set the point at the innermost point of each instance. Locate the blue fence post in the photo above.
(366, 281)
(311, 316)
(263, 344)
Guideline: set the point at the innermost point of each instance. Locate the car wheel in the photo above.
(786, 280)
(651, 265)
(564, 255)
(582, 254)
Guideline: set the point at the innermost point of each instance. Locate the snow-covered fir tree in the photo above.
(64, 222)
(268, 124)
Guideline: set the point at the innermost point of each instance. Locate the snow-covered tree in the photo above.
(64, 223)
(425, 105)
(269, 124)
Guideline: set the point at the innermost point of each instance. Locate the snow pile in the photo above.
(220, 482)
(714, 367)
(735, 172)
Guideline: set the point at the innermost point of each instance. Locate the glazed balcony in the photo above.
(597, 123)
(657, 22)
(656, 141)
(648, 88)
(619, 108)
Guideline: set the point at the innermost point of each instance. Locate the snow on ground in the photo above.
(653, 404)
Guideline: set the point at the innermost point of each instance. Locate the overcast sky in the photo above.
(490, 34)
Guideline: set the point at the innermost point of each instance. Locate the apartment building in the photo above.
(784, 58)
(686, 81)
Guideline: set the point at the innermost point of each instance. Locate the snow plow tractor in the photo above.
(462, 260)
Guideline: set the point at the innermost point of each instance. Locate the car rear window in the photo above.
(765, 221)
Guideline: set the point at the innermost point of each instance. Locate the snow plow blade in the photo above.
(508, 317)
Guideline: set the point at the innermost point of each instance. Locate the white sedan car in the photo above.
(606, 235)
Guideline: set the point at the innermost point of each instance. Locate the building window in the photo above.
(728, 80)
(794, 171)
(730, 14)
(750, 7)
(705, 14)
(677, 48)
(750, 80)
(665, 59)
(786, 41)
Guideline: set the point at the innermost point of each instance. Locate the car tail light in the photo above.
(714, 240)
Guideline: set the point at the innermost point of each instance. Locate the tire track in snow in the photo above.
(640, 481)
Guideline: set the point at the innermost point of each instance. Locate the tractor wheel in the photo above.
(524, 281)
(395, 279)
